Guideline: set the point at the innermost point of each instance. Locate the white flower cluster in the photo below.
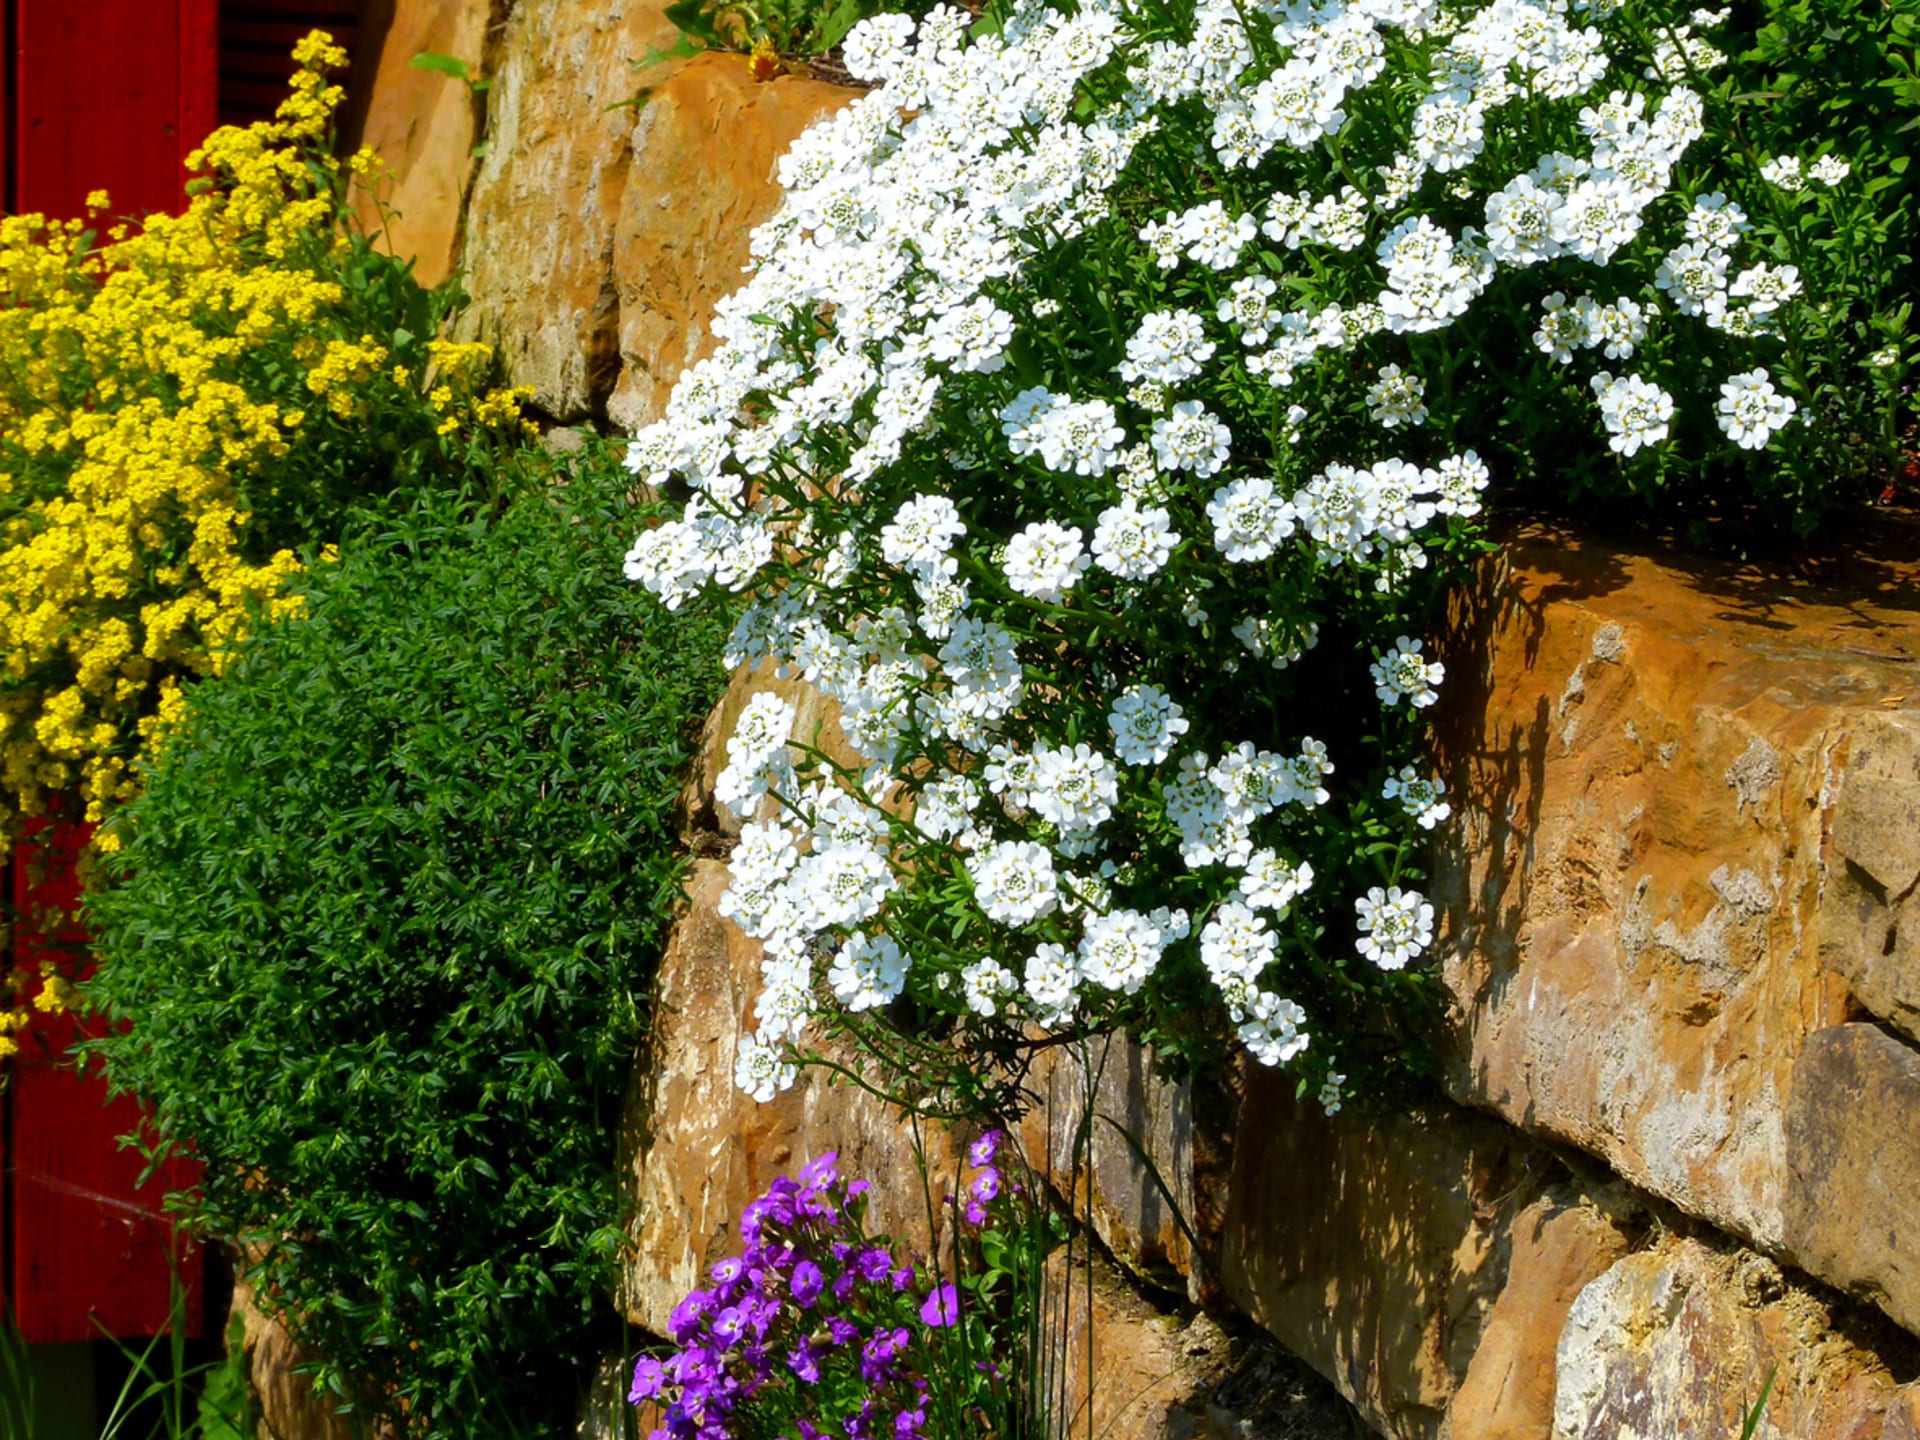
(974, 539)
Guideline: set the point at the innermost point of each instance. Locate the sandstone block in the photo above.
(704, 151)
(700, 1149)
(1645, 756)
(1870, 925)
(1379, 1252)
(545, 199)
(423, 125)
(1853, 1149)
(1121, 1141)
(1681, 1339)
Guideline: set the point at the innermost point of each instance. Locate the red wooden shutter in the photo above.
(110, 95)
(89, 1247)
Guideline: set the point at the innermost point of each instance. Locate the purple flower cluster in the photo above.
(809, 1329)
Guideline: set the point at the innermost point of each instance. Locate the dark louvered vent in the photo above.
(256, 40)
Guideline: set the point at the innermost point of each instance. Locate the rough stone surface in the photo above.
(1507, 1392)
(423, 125)
(1110, 1132)
(1680, 1341)
(557, 249)
(540, 221)
(1118, 1368)
(1870, 924)
(705, 148)
(1853, 1148)
(1379, 1251)
(289, 1408)
(700, 1149)
(1646, 757)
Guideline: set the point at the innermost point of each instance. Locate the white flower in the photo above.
(1235, 945)
(1829, 170)
(1079, 439)
(1191, 439)
(1271, 883)
(761, 733)
(1395, 926)
(1045, 560)
(1784, 171)
(867, 972)
(1214, 238)
(1014, 882)
(1419, 796)
(1715, 221)
(1751, 411)
(759, 1070)
(973, 337)
(1169, 346)
(1120, 950)
(982, 662)
(1252, 782)
(921, 533)
(1249, 520)
(1052, 978)
(1145, 723)
(988, 984)
(1520, 223)
(1403, 673)
(1617, 328)
(842, 884)
(1073, 787)
(1330, 1092)
(1458, 482)
(1397, 398)
(1636, 412)
(1271, 1028)
(1766, 287)
(1133, 542)
(1563, 328)
(1695, 276)
(1249, 306)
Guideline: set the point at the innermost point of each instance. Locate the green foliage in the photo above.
(1834, 78)
(808, 28)
(378, 936)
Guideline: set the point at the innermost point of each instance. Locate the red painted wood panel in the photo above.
(109, 94)
(90, 1246)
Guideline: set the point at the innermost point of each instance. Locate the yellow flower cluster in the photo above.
(156, 389)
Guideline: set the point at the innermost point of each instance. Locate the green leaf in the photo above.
(443, 64)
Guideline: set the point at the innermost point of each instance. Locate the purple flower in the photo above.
(728, 1271)
(648, 1376)
(841, 1330)
(986, 1185)
(818, 1174)
(982, 1151)
(728, 1324)
(941, 1308)
(874, 1265)
(807, 1284)
(684, 1323)
(975, 1212)
(805, 1361)
(902, 1278)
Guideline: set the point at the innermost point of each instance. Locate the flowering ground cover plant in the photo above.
(1113, 393)
(184, 409)
(817, 1329)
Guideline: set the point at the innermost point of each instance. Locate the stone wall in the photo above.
(1678, 1150)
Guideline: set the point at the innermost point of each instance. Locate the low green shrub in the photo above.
(378, 934)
